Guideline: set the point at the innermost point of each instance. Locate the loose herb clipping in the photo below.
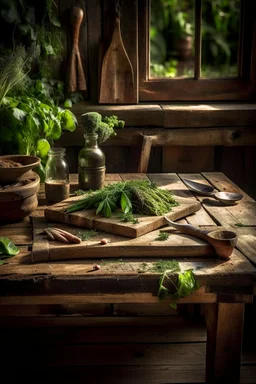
(185, 285)
(7, 249)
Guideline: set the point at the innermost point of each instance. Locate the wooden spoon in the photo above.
(117, 77)
(223, 241)
(76, 76)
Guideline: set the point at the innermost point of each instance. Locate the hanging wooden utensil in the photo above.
(117, 77)
(76, 77)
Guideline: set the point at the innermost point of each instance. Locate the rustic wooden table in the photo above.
(225, 286)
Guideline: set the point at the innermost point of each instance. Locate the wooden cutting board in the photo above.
(89, 219)
(177, 245)
(117, 76)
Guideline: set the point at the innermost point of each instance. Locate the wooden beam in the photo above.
(175, 115)
(218, 136)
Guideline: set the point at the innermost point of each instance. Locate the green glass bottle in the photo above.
(91, 164)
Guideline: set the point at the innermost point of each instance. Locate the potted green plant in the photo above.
(91, 159)
(29, 125)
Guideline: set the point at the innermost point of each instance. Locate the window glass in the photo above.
(171, 38)
(220, 37)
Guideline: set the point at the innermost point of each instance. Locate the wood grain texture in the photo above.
(89, 219)
(188, 137)
(176, 245)
(187, 159)
(117, 76)
(224, 333)
(235, 275)
(75, 74)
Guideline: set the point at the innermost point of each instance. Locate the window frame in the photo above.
(241, 88)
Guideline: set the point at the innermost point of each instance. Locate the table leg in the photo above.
(224, 322)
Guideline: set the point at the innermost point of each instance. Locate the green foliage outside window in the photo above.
(172, 20)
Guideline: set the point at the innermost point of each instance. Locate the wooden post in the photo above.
(224, 322)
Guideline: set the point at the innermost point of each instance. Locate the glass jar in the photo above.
(91, 164)
(56, 176)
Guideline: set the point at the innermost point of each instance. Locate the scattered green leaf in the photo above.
(184, 284)
(7, 249)
(79, 192)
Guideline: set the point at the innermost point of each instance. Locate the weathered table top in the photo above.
(131, 280)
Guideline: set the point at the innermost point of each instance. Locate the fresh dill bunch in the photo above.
(15, 67)
(136, 196)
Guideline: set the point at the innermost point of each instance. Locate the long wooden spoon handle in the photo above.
(188, 229)
(76, 18)
(77, 80)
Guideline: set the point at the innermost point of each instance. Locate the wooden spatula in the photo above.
(76, 78)
(117, 77)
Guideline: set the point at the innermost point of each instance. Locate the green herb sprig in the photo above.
(128, 218)
(162, 236)
(142, 197)
(86, 235)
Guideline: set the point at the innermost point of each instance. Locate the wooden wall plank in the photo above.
(94, 25)
(139, 115)
(187, 159)
(208, 115)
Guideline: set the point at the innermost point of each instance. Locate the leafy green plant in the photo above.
(171, 20)
(34, 22)
(185, 285)
(220, 33)
(30, 127)
(130, 196)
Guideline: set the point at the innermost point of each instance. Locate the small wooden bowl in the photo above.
(11, 174)
(19, 202)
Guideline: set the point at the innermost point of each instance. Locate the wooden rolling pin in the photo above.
(76, 77)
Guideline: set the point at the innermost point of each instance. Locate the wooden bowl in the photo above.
(11, 174)
(16, 203)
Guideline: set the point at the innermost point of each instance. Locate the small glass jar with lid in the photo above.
(56, 176)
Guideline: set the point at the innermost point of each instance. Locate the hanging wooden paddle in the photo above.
(76, 79)
(117, 77)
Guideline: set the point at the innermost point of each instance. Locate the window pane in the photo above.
(220, 36)
(172, 38)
